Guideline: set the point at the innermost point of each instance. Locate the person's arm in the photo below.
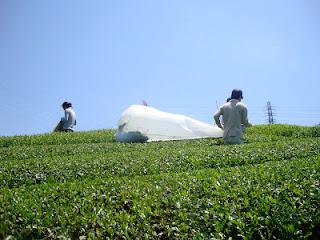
(66, 116)
(244, 119)
(217, 118)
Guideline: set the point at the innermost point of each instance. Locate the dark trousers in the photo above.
(68, 130)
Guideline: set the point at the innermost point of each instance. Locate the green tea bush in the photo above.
(98, 136)
(273, 200)
(285, 130)
(86, 186)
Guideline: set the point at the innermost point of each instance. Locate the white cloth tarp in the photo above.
(141, 123)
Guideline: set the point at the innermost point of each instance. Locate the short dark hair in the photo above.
(66, 104)
(236, 94)
(228, 99)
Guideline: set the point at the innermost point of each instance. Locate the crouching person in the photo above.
(235, 117)
(68, 122)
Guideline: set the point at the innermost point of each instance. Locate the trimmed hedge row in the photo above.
(86, 186)
(274, 200)
(69, 162)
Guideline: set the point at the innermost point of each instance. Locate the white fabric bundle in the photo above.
(141, 123)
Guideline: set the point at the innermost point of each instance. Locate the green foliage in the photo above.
(286, 130)
(86, 186)
(98, 136)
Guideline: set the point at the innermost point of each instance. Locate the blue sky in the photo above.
(180, 56)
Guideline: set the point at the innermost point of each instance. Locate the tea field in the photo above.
(84, 185)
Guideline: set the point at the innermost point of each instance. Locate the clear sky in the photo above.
(181, 56)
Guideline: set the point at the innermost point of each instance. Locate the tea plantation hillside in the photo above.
(86, 186)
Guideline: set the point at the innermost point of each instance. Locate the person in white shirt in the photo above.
(69, 120)
(235, 116)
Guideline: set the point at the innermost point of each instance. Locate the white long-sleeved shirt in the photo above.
(69, 120)
(235, 114)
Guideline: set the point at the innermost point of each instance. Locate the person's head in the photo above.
(228, 99)
(66, 105)
(236, 94)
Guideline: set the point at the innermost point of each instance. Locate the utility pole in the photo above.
(270, 113)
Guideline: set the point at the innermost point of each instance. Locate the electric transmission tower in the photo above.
(270, 112)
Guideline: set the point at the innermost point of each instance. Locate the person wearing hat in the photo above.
(235, 116)
(69, 120)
